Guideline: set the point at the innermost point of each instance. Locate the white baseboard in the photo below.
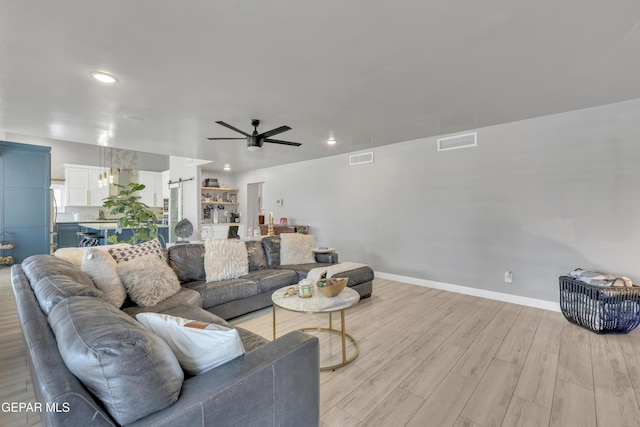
(482, 293)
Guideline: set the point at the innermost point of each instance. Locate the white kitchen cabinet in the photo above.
(81, 186)
(151, 195)
(166, 177)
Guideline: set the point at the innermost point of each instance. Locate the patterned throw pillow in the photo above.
(141, 249)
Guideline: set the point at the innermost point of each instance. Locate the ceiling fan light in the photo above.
(254, 143)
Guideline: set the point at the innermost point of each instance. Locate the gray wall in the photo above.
(85, 154)
(537, 197)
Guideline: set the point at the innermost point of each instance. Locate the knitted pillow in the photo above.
(225, 259)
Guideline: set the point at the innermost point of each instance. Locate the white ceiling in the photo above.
(368, 72)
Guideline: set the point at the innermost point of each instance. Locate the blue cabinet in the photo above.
(68, 235)
(101, 234)
(25, 177)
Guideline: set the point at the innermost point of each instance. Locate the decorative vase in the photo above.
(215, 216)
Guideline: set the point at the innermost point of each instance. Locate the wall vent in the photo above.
(358, 159)
(458, 141)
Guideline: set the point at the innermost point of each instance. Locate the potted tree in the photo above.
(136, 215)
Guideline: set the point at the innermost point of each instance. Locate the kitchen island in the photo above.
(102, 230)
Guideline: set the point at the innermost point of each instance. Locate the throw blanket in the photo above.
(599, 279)
(334, 269)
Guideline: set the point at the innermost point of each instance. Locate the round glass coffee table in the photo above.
(319, 303)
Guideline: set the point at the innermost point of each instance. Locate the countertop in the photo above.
(105, 225)
(85, 221)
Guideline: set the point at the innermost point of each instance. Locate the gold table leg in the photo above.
(344, 347)
(342, 332)
(274, 321)
(343, 335)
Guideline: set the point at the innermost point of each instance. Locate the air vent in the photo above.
(458, 141)
(358, 159)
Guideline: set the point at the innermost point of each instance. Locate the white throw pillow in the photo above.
(296, 248)
(74, 255)
(198, 348)
(225, 259)
(148, 279)
(101, 267)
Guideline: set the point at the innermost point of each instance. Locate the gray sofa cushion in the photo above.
(271, 279)
(38, 266)
(116, 358)
(184, 296)
(52, 290)
(271, 246)
(187, 260)
(215, 293)
(255, 252)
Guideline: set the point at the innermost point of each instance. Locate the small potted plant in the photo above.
(136, 215)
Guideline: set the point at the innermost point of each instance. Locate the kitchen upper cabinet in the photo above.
(166, 177)
(81, 186)
(151, 195)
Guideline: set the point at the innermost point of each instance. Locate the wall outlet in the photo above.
(508, 276)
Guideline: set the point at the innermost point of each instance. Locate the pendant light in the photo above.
(111, 166)
(100, 170)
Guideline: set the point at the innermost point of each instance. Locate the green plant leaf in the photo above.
(135, 215)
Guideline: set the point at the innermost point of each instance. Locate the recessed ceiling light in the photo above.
(227, 167)
(331, 141)
(103, 77)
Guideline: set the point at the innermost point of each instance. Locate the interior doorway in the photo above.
(254, 206)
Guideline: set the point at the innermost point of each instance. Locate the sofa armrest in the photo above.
(277, 384)
(327, 258)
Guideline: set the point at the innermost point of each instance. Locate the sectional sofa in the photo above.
(92, 363)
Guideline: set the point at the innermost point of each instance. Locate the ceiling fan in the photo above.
(255, 139)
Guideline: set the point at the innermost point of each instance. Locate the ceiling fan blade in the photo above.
(221, 139)
(232, 128)
(277, 141)
(275, 131)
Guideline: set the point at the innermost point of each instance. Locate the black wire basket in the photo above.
(603, 310)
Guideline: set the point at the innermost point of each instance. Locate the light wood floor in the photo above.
(433, 358)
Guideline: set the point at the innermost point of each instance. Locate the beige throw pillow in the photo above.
(225, 259)
(148, 279)
(101, 267)
(296, 248)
